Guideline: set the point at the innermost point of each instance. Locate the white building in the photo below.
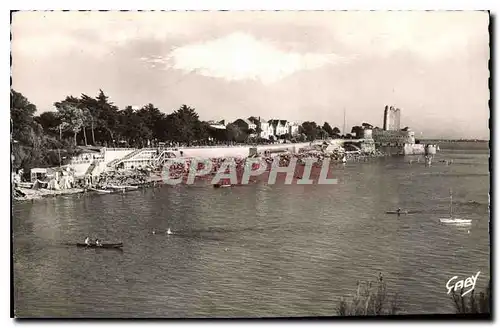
(246, 124)
(293, 128)
(251, 125)
(280, 127)
(266, 129)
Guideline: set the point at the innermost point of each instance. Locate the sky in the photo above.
(295, 65)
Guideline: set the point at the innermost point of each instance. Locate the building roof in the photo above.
(276, 122)
(254, 120)
(217, 126)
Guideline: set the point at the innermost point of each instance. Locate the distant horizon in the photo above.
(298, 66)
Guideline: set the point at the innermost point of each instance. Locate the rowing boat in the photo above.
(124, 187)
(102, 191)
(396, 212)
(117, 245)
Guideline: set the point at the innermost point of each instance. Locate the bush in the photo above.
(472, 303)
(371, 298)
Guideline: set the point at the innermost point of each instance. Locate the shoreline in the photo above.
(153, 180)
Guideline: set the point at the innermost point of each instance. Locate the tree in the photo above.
(301, 137)
(107, 115)
(185, 122)
(322, 133)
(50, 122)
(21, 114)
(367, 126)
(33, 146)
(90, 104)
(201, 130)
(72, 117)
(152, 118)
(328, 129)
(235, 133)
(258, 130)
(336, 130)
(310, 129)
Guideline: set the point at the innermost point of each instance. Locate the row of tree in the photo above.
(85, 120)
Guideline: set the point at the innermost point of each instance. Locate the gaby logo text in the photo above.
(454, 284)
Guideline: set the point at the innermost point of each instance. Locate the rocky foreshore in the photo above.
(120, 180)
(22, 194)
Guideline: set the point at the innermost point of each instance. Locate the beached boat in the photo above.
(117, 187)
(101, 191)
(116, 245)
(131, 187)
(124, 187)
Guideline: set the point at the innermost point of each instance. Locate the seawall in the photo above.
(238, 151)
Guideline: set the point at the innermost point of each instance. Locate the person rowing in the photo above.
(169, 232)
(399, 211)
(98, 242)
(87, 241)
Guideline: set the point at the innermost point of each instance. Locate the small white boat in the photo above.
(102, 191)
(117, 187)
(452, 220)
(458, 221)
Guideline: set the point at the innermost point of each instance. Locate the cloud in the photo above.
(239, 56)
(430, 35)
(43, 34)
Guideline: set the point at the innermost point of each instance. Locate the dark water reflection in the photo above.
(257, 250)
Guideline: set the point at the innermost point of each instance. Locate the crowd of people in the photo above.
(181, 169)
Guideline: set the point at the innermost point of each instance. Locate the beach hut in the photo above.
(38, 174)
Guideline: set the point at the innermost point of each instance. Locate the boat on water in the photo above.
(116, 245)
(458, 221)
(451, 219)
(218, 185)
(396, 212)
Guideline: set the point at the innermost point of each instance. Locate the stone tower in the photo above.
(392, 118)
